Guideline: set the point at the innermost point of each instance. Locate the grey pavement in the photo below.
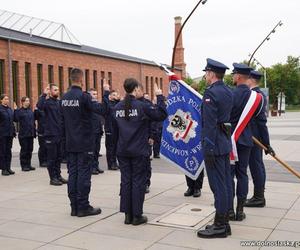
(35, 215)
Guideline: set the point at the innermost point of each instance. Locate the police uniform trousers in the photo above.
(79, 181)
(5, 152)
(133, 184)
(63, 149)
(257, 168)
(53, 146)
(220, 182)
(42, 152)
(239, 170)
(195, 184)
(156, 144)
(26, 144)
(149, 168)
(97, 141)
(111, 148)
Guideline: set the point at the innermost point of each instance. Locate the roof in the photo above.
(23, 37)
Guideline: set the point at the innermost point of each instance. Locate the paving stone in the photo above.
(289, 225)
(18, 244)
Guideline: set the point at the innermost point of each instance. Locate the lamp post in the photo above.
(267, 38)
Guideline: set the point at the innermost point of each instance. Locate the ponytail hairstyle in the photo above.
(129, 85)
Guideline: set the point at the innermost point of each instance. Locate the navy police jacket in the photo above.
(259, 122)
(77, 108)
(108, 126)
(52, 116)
(216, 107)
(26, 120)
(40, 116)
(241, 95)
(132, 134)
(7, 127)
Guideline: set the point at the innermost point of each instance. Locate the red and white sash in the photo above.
(250, 108)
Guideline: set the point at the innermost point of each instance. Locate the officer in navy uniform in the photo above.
(50, 105)
(112, 98)
(97, 127)
(158, 126)
(244, 144)
(7, 133)
(40, 117)
(25, 117)
(151, 131)
(216, 144)
(260, 131)
(77, 109)
(132, 120)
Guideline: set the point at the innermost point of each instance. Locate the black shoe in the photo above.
(128, 219)
(31, 168)
(138, 220)
(100, 171)
(240, 215)
(231, 215)
(197, 193)
(5, 173)
(147, 191)
(43, 165)
(90, 211)
(55, 182)
(62, 180)
(100, 155)
(156, 156)
(74, 212)
(113, 167)
(258, 199)
(95, 171)
(26, 169)
(216, 230)
(10, 171)
(228, 228)
(189, 192)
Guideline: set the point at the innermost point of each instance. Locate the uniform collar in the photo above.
(243, 85)
(219, 82)
(76, 87)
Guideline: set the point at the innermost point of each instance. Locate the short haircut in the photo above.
(76, 75)
(3, 96)
(140, 85)
(92, 89)
(23, 99)
(51, 85)
(219, 75)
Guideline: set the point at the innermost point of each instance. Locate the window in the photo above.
(147, 84)
(152, 88)
(102, 81)
(87, 79)
(95, 79)
(69, 75)
(28, 79)
(1, 77)
(110, 79)
(50, 74)
(15, 80)
(39, 69)
(61, 79)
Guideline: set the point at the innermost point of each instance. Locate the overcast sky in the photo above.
(225, 30)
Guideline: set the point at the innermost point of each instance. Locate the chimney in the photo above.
(179, 51)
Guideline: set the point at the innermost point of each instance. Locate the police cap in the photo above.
(215, 66)
(240, 68)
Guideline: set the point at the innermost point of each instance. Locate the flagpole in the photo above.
(180, 31)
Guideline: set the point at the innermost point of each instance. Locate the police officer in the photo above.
(7, 133)
(25, 117)
(158, 126)
(216, 145)
(112, 98)
(40, 117)
(77, 108)
(260, 131)
(50, 106)
(132, 120)
(244, 144)
(97, 127)
(151, 131)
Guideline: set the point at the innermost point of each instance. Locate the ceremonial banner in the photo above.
(181, 137)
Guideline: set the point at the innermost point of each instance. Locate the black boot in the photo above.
(197, 193)
(217, 230)
(147, 191)
(240, 215)
(231, 214)
(189, 192)
(228, 228)
(89, 211)
(62, 180)
(31, 168)
(258, 199)
(10, 171)
(5, 172)
(95, 171)
(138, 220)
(55, 182)
(25, 169)
(128, 219)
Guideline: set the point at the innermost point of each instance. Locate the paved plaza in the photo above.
(35, 215)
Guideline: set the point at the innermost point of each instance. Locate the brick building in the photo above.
(28, 63)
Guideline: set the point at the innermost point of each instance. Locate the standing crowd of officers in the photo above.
(69, 129)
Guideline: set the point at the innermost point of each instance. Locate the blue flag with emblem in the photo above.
(181, 136)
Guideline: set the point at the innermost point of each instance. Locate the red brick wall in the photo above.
(33, 54)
